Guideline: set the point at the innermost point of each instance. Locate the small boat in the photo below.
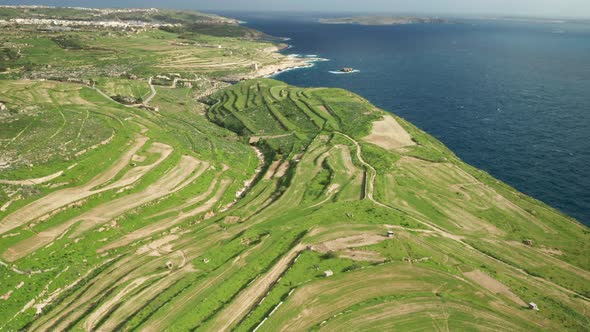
(345, 70)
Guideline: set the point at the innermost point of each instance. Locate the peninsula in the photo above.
(150, 180)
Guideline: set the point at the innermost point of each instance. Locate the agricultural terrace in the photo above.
(90, 53)
(266, 208)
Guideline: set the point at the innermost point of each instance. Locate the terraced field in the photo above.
(168, 221)
(252, 207)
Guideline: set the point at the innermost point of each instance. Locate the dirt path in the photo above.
(151, 96)
(244, 302)
(372, 173)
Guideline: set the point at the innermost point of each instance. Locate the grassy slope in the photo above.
(247, 259)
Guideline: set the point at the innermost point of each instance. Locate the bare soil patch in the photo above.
(493, 286)
(388, 134)
(29, 182)
(282, 170)
(354, 241)
(362, 255)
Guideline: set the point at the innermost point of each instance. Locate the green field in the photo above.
(258, 206)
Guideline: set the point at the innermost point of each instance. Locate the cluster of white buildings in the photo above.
(65, 23)
(103, 11)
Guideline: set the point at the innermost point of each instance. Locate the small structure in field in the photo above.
(255, 66)
(169, 265)
(2, 106)
(328, 273)
(533, 306)
(528, 242)
(390, 234)
(206, 260)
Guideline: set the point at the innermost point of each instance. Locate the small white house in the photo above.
(328, 273)
(533, 306)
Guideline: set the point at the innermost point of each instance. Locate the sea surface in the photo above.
(510, 98)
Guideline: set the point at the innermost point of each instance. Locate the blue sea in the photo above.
(510, 98)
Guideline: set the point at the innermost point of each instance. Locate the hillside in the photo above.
(184, 203)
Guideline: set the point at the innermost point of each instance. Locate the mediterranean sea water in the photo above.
(510, 98)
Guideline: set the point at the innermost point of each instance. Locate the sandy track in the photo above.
(372, 173)
(67, 196)
(243, 303)
(389, 135)
(104, 213)
(153, 92)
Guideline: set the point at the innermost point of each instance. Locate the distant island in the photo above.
(383, 20)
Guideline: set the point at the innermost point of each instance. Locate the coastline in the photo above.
(286, 63)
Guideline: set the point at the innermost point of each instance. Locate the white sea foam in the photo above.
(308, 65)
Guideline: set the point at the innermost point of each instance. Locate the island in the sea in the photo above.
(383, 20)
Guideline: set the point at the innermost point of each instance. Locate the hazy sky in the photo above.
(578, 8)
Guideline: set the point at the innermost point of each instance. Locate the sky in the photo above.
(544, 8)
